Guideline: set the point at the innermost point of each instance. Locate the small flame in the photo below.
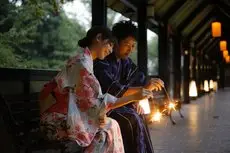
(171, 106)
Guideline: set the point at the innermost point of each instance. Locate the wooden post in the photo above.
(142, 52)
(99, 12)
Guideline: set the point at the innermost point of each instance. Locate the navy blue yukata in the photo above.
(115, 77)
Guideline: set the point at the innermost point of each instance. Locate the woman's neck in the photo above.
(93, 52)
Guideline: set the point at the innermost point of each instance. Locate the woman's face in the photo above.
(105, 47)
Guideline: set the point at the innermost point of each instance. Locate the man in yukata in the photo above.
(119, 76)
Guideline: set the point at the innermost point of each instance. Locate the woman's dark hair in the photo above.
(93, 32)
(124, 29)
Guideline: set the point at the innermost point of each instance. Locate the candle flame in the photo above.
(145, 105)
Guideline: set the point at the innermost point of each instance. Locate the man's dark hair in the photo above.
(124, 29)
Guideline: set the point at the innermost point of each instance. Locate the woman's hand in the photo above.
(143, 94)
(102, 121)
(154, 84)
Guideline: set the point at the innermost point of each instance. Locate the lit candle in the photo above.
(192, 89)
(206, 87)
(145, 105)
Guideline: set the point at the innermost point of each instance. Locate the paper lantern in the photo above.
(225, 53)
(145, 105)
(192, 89)
(211, 85)
(216, 29)
(223, 45)
(206, 87)
(227, 59)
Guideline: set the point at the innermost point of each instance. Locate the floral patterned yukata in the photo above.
(73, 113)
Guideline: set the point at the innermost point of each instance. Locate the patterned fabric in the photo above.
(115, 77)
(77, 104)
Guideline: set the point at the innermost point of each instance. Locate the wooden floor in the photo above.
(205, 128)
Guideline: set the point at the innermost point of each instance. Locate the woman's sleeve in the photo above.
(107, 100)
(69, 76)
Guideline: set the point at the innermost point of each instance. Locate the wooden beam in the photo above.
(211, 46)
(199, 26)
(186, 22)
(183, 12)
(202, 35)
(173, 9)
(201, 30)
(131, 4)
(195, 22)
(207, 45)
(203, 41)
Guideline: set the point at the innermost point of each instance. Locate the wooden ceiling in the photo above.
(190, 19)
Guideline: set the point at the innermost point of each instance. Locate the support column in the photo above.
(177, 68)
(198, 73)
(222, 75)
(142, 52)
(163, 53)
(186, 74)
(99, 13)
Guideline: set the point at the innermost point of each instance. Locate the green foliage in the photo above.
(36, 34)
(153, 56)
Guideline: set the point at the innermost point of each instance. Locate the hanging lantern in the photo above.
(227, 59)
(211, 85)
(225, 53)
(145, 105)
(223, 45)
(206, 87)
(192, 89)
(216, 29)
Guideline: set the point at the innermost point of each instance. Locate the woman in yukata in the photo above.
(73, 107)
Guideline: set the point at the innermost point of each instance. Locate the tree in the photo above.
(153, 56)
(36, 34)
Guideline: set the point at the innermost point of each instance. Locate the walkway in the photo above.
(205, 128)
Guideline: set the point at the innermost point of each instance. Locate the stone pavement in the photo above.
(205, 128)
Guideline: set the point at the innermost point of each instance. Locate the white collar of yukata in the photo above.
(87, 60)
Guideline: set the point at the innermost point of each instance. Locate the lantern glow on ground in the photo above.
(145, 105)
(192, 89)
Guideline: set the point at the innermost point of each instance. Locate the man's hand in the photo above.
(154, 84)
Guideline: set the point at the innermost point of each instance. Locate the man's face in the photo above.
(126, 47)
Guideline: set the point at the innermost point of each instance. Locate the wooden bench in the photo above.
(20, 114)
